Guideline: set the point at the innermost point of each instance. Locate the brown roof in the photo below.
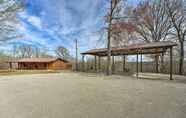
(40, 60)
(143, 48)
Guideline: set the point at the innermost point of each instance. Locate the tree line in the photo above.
(33, 51)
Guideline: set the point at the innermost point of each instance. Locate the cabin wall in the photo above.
(32, 66)
(59, 65)
(56, 65)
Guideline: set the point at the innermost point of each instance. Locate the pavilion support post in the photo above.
(113, 65)
(171, 64)
(156, 63)
(141, 64)
(95, 63)
(99, 64)
(162, 62)
(83, 63)
(137, 71)
(124, 63)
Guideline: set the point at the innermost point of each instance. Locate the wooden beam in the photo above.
(171, 64)
(129, 52)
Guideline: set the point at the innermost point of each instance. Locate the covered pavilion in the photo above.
(133, 49)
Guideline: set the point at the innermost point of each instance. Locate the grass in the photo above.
(20, 72)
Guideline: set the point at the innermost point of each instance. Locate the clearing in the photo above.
(82, 95)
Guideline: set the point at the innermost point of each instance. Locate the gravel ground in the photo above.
(77, 95)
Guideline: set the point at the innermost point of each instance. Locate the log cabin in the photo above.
(43, 64)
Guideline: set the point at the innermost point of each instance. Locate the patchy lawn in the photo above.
(81, 95)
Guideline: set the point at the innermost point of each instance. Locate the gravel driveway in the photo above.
(77, 95)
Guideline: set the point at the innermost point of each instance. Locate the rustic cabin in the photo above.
(43, 64)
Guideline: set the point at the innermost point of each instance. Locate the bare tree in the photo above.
(151, 22)
(123, 33)
(25, 51)
(177, 14)
(8, 20)
(62, 52)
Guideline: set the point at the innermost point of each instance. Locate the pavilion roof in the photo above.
(140, 48)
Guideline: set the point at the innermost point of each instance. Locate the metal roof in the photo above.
(142, 48)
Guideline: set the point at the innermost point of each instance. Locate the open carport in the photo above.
(133, 49)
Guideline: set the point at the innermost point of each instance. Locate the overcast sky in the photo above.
(52, 23)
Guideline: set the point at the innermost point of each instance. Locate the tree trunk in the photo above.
(109, 66)
(181, 60)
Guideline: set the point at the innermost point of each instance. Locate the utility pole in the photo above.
(76, 45)
(110, 16)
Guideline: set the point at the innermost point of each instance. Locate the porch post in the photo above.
(171, 63)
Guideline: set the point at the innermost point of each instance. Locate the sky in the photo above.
(52, 23)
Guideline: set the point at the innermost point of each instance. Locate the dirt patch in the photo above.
(77, 95)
